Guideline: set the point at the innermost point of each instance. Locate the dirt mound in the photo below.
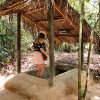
(9, 95)
(33, 88)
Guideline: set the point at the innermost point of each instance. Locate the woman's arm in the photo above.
(43, 51)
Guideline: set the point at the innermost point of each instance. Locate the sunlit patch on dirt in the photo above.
(95, 98)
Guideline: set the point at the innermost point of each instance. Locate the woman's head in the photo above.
(41, 35)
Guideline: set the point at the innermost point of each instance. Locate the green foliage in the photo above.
(8, 38)
(7, 41)
(91, 10)
(26, 40)
(2, 1)
(87, 0)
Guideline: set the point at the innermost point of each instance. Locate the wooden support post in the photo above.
(80, 54)
(51, 42)
(18, 46)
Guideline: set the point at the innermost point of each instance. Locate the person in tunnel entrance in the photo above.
(40, 54)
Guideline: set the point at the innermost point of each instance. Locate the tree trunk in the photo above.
(99, 29)
(51, 41)
(18, 46)
(99, 16)
(80, 54)
(11, 18)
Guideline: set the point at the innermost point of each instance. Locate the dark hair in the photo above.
(41, 35)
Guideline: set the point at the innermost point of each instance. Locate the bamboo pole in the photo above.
(80, 53)
(18, 42)
(83, 13)
(88, 63)
(51, 42)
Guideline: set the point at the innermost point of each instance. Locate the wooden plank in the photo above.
(69, 20)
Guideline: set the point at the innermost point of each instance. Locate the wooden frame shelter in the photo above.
(34, 14)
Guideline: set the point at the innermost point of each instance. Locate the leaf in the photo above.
(87, 0)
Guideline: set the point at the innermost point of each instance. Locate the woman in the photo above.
(39, 51)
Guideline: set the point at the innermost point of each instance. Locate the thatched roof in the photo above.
(34, 14)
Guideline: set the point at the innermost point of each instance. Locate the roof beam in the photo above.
(59, 19)
(13, 9)
(15, 4)
(39, 25)
(34, 10)
(11, 6)
(29, 18)
(60, 39)
(67, 35)
(66, 18)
